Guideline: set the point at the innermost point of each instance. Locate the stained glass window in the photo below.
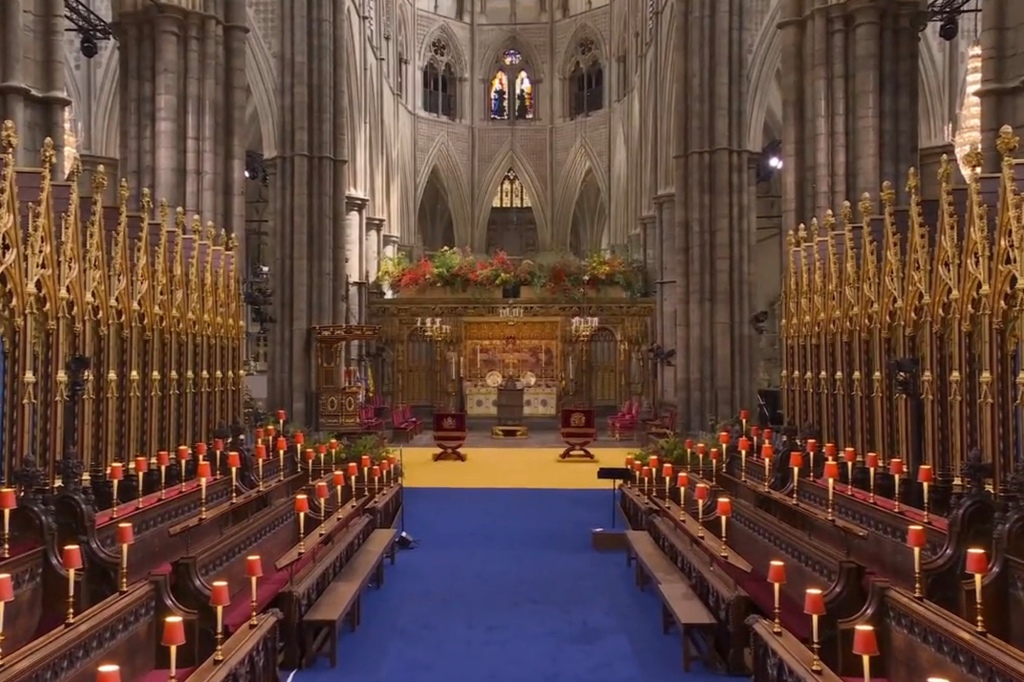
(511, 192)
(511, 57)
(499, 96)
(524, 96)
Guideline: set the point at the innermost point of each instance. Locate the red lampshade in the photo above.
(724, 507)
(683, 480)
(812, 445)
(116, 471)
(755, 431)
(392, 460)
(218, 444)
(776, 572)
(271, 430)
(219, 593)
(301, 504)
(261, 451)
(234, 459)
(311, 454)
(338, 478)
(174, 631)
(871, 460)
(714, 454)
(108, 673)
(299, 437)
(977, 561)
(8, 498)
(203, 470)
(925, 474)
(163, 458)
(201, 449)
(282, 444)
(831, 469)
(125, 534)
(6, 587)
(333, 443)
(701, 448)
(916, 538)
(724, 437)
(744, 415)
(850, 455)
(767, 434)
(637, 466)
(384, 465)
(652, 462)
(71, 557)
(796, 459)
(259, 432)
(183, 453)
(141, 465)
(865, 642)
(375, 472)
(744, 444)
(667, 470)
(689, 444)
(322, 490)
(814, 602)
(830, 449)
(364, 461)
(767, 451)
(629, 461)
(254, 566)
(321, 449)
(645, 472)
(353, 469)
(896, 466)
(701, 491)
(280, 415)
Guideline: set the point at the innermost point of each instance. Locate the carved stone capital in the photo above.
(374, 223)
(355, 202)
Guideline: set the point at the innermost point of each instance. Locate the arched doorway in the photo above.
(512, 227)
(434, 217)
(604, 368)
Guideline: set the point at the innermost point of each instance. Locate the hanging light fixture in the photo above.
(968, 136)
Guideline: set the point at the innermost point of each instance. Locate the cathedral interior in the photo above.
(676, 217)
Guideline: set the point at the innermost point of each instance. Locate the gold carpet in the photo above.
(508, 468)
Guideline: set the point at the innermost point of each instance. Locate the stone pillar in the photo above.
(850, 100)
(183, 101)
(355, 257)
(389, 245)
(374, 233)
(1002, 88)
(32, 92)
(667, 288)
(713, 211)
(308, 192)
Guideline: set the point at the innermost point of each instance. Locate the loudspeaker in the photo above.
(405, 541)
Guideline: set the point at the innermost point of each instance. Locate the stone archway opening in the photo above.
(512, 226)
(434, 224)
(589, 218)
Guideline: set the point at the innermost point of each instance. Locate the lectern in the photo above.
(510, 411)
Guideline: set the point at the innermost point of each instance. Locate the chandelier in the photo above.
(511, 313)
(968, 137)
(583, 328)
(434, 328)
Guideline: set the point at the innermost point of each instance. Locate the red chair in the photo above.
(578, 429)
(368, 421)
(407, 417)
(450, 433)
(401, 425)
(625, 424)
(623, 413)
(663, 428)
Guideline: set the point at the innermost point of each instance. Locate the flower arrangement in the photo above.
(566, 277)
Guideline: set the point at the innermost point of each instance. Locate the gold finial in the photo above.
(99, 180)
(197, 226)
(9, 136)
(815, 230)
(122, 192)
(912, 180)
(829, 223)
(867, 206)
(973, 158)
(179, 219)
(888, 195)
(1007, 142)
(220, 237)
(210, 232)
(75, 171)
(232, 242)
(945, 170)
(147, 205)
(801, 234)
(164, 212)
(847, 213)
(791, 239)
(49, 153)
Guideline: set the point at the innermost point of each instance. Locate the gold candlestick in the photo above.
(700, 518)
(743, 466)
(896, 493)
(113, 509)
(163, 481)
(302, 532)
(139, 475)
(202, 499)
(6, 550)
(124, 569)
(323, 516)
(253, 622)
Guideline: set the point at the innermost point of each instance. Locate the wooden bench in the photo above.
(341, 600)
(651, 563)
(681, 605)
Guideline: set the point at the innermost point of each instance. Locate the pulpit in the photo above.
(510, 411)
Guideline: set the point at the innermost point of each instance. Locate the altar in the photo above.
(538, 401)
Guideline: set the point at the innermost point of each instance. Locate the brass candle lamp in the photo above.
(796, 461)
(744, 446)
(201, 451)
(666, 473)
(310, 456)
(71, 558)
(701, 493)
(125, 537)
(831, 475)
(865, 645)
(375, 470)
(353, 473)
(254, 570)
(282, 447)
(871, 462)
(141, 467)
(977, 565)
(925, 476)
(896, 470)
(767, 451)
(777, 577)
(850, 457)
(724, 509)
(115, 474)
(173, 637)
(183, 457)
(715, 455)
(203, 474)
(338, 478)
(689, 452)
(281, 415)
(364, 463)
(322, 493)
(301, 508)
(220, 597)
(683, 481)
(811, 446)
(332, 445)
(234, 462)
(917, 540)
(163, 460)
(300, 442)
(8, 503)
(814, 606)
(260, 453)
(218, 448)
(629, 465)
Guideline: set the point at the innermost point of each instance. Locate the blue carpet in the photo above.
(504, 587)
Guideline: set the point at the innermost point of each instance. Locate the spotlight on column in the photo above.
(770, 162)
(949, 28)
(88, 46)
(91, 27)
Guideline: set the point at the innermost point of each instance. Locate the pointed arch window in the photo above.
(510, 97)
(586, 90)
(511, 192)
(439, 82)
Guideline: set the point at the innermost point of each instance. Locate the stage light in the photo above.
(775, 162)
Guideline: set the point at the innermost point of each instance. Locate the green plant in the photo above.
(391, 268)
(373, 446)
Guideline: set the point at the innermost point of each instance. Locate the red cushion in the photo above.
(18, 548)
(762, 593)
(269, 586)
(911, 513)
(125, 511)
(162, 675)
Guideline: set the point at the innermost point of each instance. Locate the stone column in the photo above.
(667, 288)
(374, 234)
(355, 256)
(32, 92)
(183, 100)
(309, 192)
(389, 245)
(1002, 88)
(713, 211)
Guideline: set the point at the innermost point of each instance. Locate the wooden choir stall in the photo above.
(346, 365)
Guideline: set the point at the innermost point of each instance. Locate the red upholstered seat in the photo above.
(408, 417)
(368, 420)
(125, 511)
(162, 675)
(913, 514)
(625, 423)
(269, 586)
(762, 593)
